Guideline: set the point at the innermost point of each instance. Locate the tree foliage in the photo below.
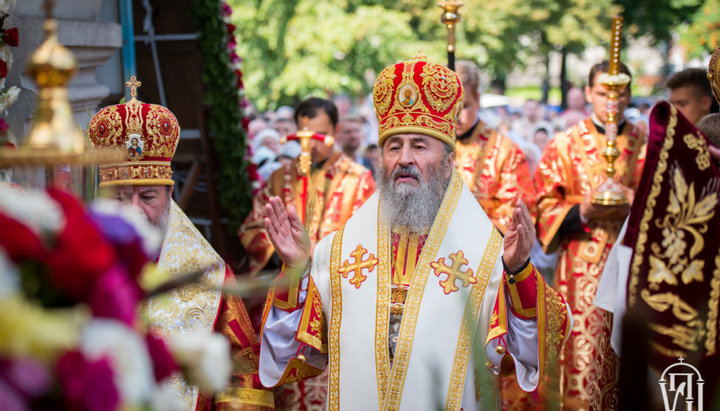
(657, 18)
(294, 48)
(702, 34)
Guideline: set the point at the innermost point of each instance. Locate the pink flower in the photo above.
(225, 9)
(4, 126)
(163, 362)
(115, 296)
(87, 385)
(3, 69)
(230, 29)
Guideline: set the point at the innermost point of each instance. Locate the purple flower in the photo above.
(26, 376)
(125, 240)
(10, 400)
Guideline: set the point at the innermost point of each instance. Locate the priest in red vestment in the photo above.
(566, 178)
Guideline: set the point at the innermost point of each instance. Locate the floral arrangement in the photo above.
(71, 284)
(224, 96)
(243, 103)
(8, 38)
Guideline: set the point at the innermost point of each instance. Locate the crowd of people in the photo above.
(531, 124)
(537, 158)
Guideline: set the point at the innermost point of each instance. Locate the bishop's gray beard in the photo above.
(413, 207)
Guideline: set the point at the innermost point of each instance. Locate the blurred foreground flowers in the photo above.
(70, 291)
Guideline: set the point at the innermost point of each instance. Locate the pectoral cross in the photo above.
(133, 85)
(453, 272)
(358, 266)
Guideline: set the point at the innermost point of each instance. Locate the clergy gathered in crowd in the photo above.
(421, 247)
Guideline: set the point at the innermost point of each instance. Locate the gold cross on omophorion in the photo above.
(358, 266)
(453, 272)
(133, 84)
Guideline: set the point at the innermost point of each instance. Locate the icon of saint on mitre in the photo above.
(407, 95)
(134, 147)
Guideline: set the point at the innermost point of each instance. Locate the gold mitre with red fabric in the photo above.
(418, 96)
(148, 133)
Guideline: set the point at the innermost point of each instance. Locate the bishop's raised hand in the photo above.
(519, 238)
(288, 235)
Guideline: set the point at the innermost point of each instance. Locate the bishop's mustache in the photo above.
(406, 171)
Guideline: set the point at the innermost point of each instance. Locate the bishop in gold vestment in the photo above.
(144, 181)
(570, 169)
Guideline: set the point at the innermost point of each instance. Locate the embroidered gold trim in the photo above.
(469, 322)
(335, 320)
(711, 323)
(318, 325)
(382, 314)
(246, 396)
(650, 206)
(412, 305)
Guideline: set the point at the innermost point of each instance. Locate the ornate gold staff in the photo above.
(308, 194)
(450, 18)
(610, 192)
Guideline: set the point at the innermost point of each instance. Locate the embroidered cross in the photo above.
(453, 272)
(358, 266)
(133, 84)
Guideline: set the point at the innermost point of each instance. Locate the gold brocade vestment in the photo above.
(200, 308)
(570, 168)
(495, 170)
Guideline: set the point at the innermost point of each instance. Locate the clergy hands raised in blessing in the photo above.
(288, 235)
(519, 238)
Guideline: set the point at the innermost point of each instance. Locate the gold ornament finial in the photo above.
(450, 18)
(133, 85)
(610, 192)
(420, 56)
(54, 137)
(713, 74)
(615, 44)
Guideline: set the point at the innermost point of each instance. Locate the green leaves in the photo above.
(224, 118)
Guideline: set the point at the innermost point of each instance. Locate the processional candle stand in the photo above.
(308, 193)
(610, 192)
(450, 18)
(55, 152)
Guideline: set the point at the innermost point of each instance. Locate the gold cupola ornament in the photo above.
(54, 141)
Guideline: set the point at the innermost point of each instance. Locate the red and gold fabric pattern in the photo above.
(495, 170)
(148, 133)
(538, 301)
(570, 168)
(417, 96)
